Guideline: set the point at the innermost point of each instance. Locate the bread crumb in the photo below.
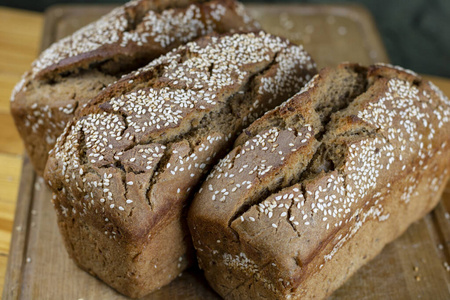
(342, 30)
(446, 266)
(373, 54)
(309, 29)
(285, 22)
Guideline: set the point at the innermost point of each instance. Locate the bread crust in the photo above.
(75, 69)
(128, 163)
(316, 187)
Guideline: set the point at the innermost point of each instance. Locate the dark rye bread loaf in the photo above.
(316, 187)
(125, 168)
(75, 69)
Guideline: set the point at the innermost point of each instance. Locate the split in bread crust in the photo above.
(124, 169)
(75, 69)
(316, 187)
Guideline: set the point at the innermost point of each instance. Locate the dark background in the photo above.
(416, 33)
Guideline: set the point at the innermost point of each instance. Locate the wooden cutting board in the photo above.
(414, 266)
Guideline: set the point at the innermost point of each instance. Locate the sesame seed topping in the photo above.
(402, 124)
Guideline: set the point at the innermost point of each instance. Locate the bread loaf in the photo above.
(75, 69)
(125, 168)
(318, 186)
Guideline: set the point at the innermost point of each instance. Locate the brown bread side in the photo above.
(75, 69)
(315, 188)
(126, 167)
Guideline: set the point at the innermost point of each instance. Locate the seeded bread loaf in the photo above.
(75, 69)
(124, 169)
(316, 187)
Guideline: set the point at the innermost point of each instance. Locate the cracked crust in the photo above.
(126, 166)
(316, 187)
(75, 69)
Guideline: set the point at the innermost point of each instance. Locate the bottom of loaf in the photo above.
(332, 265)
(133, 269)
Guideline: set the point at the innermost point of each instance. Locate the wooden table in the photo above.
(20, 35)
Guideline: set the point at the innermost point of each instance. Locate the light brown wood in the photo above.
(20, 34)
(3, 264)
(49, 272)
(11, 142)
(9, 181)
(16, 262)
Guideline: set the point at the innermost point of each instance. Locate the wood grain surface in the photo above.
(20, 36)
(412, 267)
